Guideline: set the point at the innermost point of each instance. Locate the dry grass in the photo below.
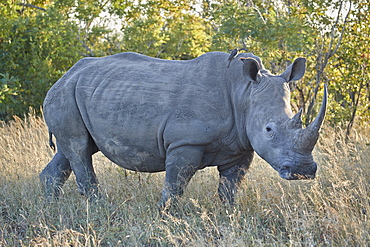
(332, 210)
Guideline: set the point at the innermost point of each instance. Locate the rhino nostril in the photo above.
(286, 168)
(285, 172)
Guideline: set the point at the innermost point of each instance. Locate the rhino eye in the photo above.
(269, 130)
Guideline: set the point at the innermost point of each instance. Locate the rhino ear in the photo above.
(295, 71)
(251, 68)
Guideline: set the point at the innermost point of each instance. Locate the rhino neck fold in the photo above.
(240, 105)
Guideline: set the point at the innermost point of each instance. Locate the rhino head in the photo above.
(274, 132)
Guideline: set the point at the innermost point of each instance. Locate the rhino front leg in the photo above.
(230, 177)
(54, 175)
(181, 165)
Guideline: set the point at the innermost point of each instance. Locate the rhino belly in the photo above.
(130, 145)
(133, 157)
(129, 151)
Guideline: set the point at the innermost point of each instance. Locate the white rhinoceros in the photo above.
(151, 115)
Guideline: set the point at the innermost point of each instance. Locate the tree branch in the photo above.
(331, 52)
(322, 62)
(341, 34)
(257, 10)
(31, 6)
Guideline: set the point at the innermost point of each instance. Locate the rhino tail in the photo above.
(51, 143)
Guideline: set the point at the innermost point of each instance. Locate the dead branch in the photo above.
(31, 6)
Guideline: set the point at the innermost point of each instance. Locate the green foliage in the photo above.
(350, 77)
(165, 29)
(36, 48)
(9, 90)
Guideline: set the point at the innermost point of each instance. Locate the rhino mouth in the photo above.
(296, 176)
(288, 174)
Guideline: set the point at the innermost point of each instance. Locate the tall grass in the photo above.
(332, 210)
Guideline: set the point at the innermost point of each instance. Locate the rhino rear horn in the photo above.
(296, 121)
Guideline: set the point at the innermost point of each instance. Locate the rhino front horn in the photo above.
(312, 131)
(316, 124)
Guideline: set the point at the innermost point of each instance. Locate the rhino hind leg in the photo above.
(79, 153)
(54, 175)
(75, 150)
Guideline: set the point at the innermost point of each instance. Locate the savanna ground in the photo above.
(332, 210)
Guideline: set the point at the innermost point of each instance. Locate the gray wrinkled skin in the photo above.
(151, 115)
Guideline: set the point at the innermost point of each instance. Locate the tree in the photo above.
(36, 48)
(40, 41)
(165, 29)
(350, 77)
